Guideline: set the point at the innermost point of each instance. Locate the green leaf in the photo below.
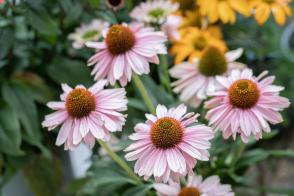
(94, 3)
(10, 135)
(137, 104)
(43, 22)
(68, 71)
(36, 85)
(73, 14)
(104, 177)
(20, 100)
(157, 93)
(252, 157)
(138, 191)
(44, 176)
(107, 16)
(6, 41)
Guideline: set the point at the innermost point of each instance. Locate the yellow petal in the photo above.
(279, 14)
(241, 6)
(226, 13)
(287, 10)
(213, 13)
(183, 54)
(262, 13)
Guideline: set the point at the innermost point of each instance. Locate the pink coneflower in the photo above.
(126, 49)
(197, 80)
(211, 186)
(170, 27)
(86, 114)
(169, 144)
(244, 104)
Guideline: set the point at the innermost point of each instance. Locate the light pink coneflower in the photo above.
(126, 49)
(245, 104)
(197, 80)
(86, 114)
(87, 32)
(170, 27)
(169, 144)
(154, 12)
(211, 186)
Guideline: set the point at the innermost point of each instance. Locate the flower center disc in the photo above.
(114, 2)
(243, 94)
(269, 1)
(212, 62)
(90, 34)
(166, 132)
(200, 43)
(189, 191)
(80, 103)
(156, 13)
(120, 39)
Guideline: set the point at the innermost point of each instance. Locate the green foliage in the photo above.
(36, 56)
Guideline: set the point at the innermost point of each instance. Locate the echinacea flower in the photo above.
(193, 41)
(169, 144)
(153, 12)
(263, 8)
(245, 104)
(115, 4)
(126, 49)
(88, 32)
(225, 10)
(196, 186)
(198, 79)
(170, 27)
(86, 114)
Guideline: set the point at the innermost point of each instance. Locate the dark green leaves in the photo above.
(22, 105)
(42, 22)
(6, 41)
(69, 71)
(10, 135)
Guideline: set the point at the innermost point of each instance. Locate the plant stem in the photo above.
(238, 153)
(164, 77)
(144, 93)
(120, 162)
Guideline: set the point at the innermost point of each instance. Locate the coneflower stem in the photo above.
(144, 93)
(163, 71)
(120, 162)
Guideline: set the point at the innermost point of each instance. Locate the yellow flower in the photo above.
(225, 10)
(193, 41)
(263, 8)
(192, 18)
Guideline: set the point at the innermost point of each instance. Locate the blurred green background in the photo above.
(36, 56)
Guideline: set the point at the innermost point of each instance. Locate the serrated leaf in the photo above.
(23, 105)
(10, 135)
